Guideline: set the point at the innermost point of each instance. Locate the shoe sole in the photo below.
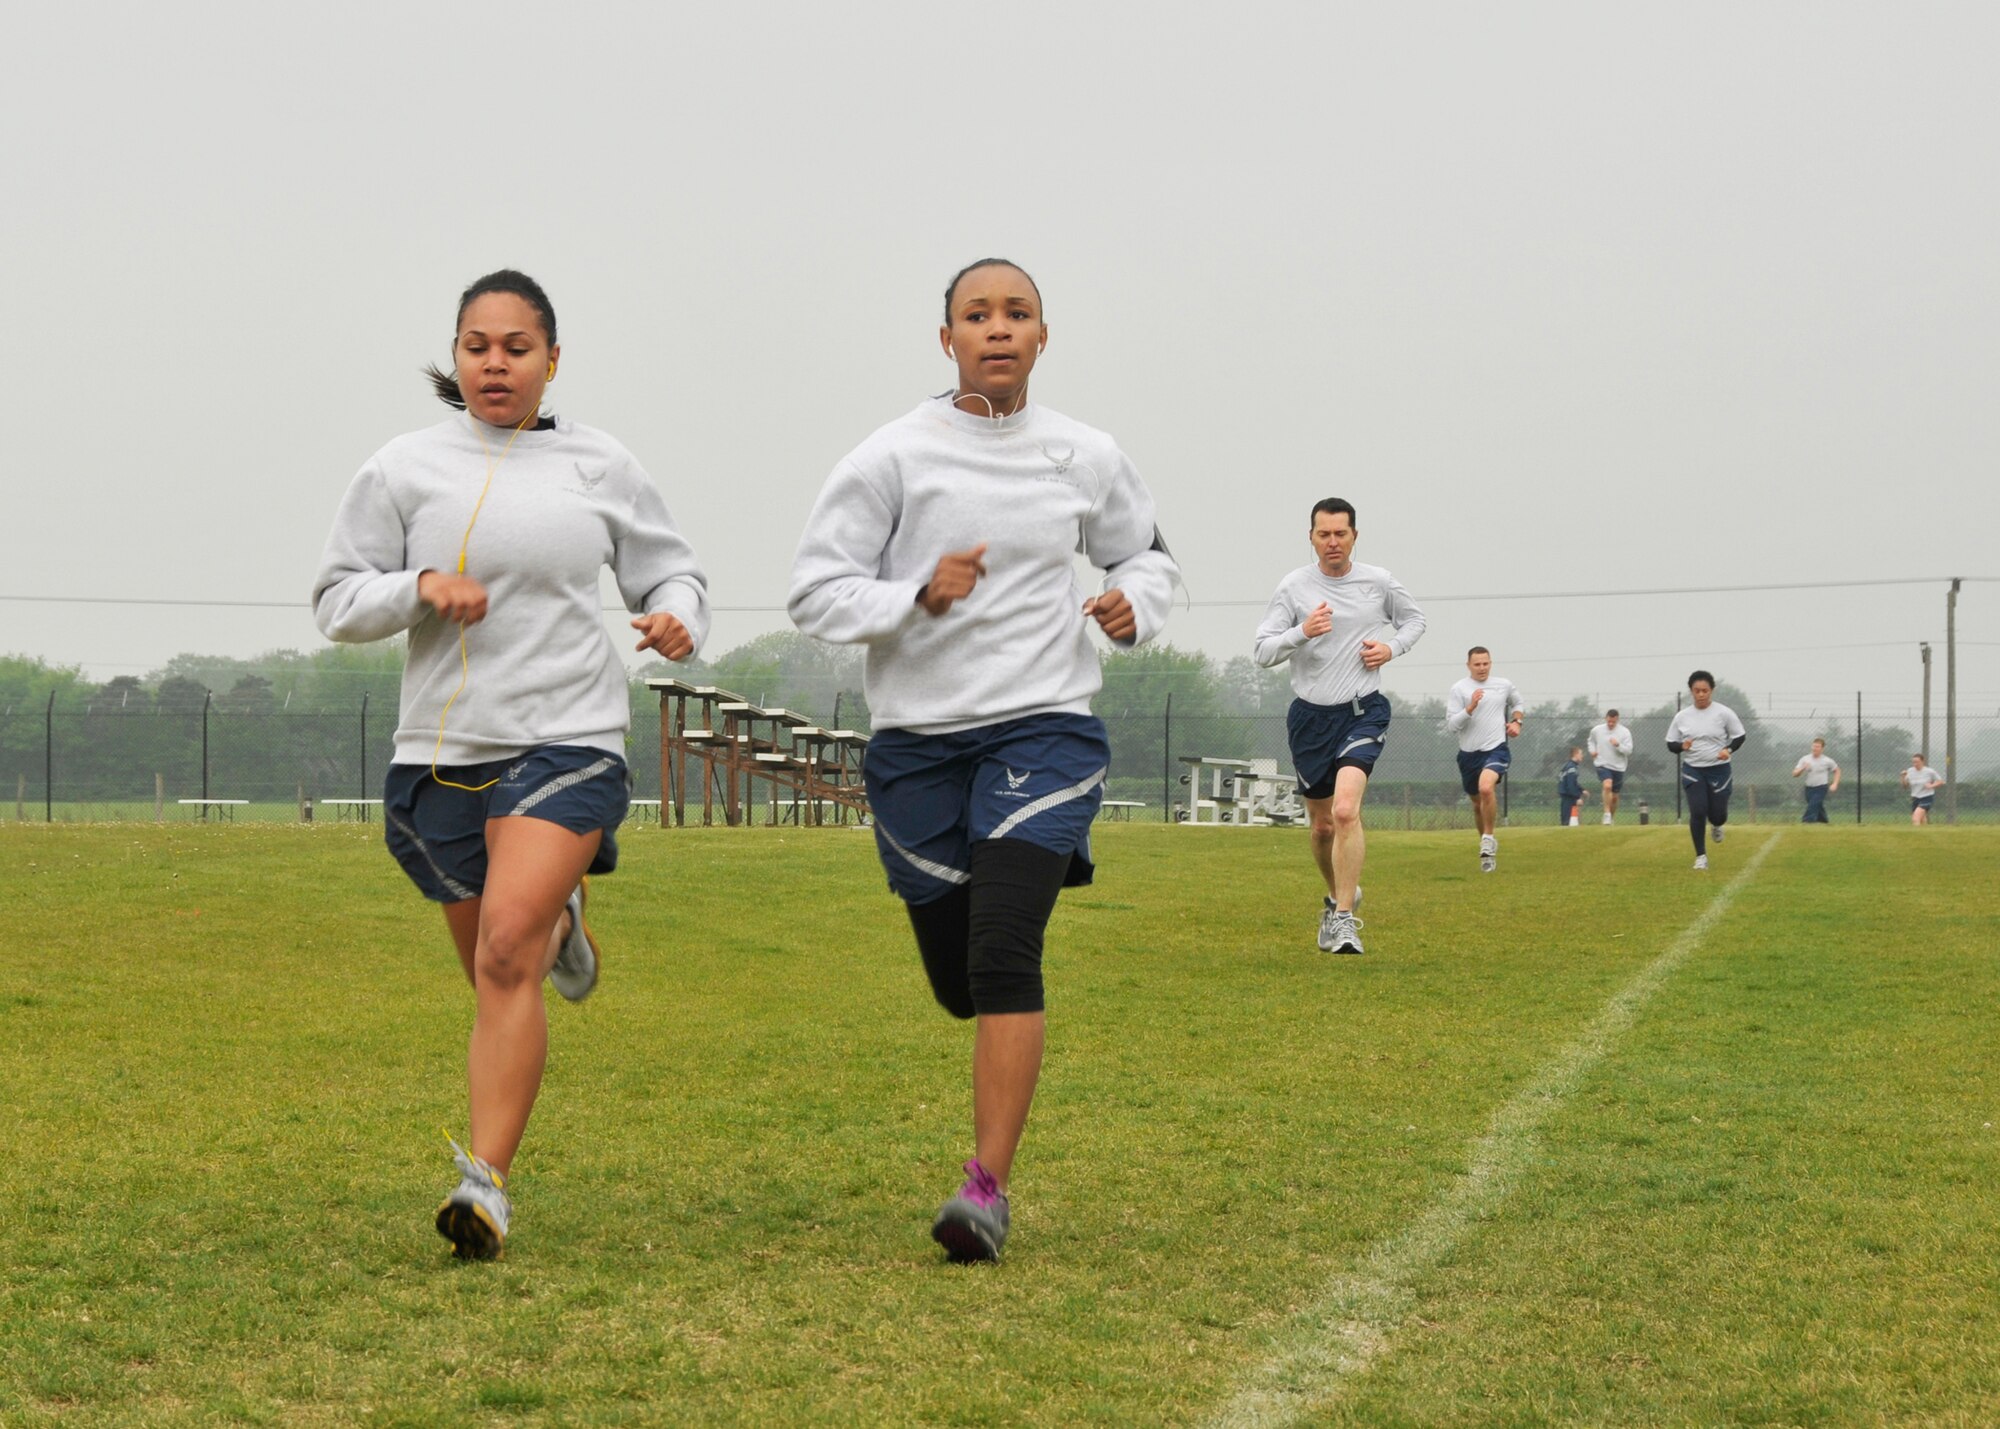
(472, 1234)
(964, 1242)
(596, 955)
(1347, 950)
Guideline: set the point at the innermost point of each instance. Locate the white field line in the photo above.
(1352, 1322)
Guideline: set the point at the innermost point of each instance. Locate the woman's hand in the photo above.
(957, 573)
(666, 634)
(1114, 614)
(459, 599)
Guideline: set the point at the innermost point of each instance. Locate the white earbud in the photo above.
(949, 352)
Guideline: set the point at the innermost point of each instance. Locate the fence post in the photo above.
(20, 798)
(1166, 766)
(1406, 807)
(49, 762)
(207, 696)
(1951, 702)
(1753, 803)
(1677, 766)
(364, 751)
(159, 797)
(1857, 756)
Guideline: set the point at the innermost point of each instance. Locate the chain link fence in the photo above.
(1415, 784)
(77, 762)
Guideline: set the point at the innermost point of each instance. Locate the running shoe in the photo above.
(575, 971)
(1701, 863)
(1715, 833)
(1346, 933)
(1329, 923)
(1607, 818)
(973, 1224)
(1489, 853)
(474, 1217)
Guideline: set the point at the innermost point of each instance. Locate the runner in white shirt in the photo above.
(1703, 737)
(1484, 710)
(1326, 620)
(1610, 747)
(1922, 781)
(1822, 778)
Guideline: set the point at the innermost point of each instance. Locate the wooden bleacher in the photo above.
(733, 746)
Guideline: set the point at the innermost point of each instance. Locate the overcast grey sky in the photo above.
(1563, 297)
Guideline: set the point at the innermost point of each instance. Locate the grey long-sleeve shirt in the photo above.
(1034, 489)
(564, 503)
(1327, 669)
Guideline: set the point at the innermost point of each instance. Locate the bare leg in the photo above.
(532, 867)
(1319, 813)
(1350, 843)
(463, 920)
(1486, 803)
(1610, 799)
(1006, 1064)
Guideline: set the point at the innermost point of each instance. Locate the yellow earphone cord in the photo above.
(464, 661)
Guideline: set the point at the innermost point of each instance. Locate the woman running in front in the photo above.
(945, 544)
(482, 537)
(1703, 737)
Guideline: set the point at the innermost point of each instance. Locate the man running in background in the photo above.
(1922, 782)
(1323, 619)
(1484, 710)
(1610, 747)
(1822, 778)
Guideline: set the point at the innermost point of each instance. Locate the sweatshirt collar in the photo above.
(964, 421)
(531, 436)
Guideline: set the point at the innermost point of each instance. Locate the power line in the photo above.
(1659, 590)
(1193, 604)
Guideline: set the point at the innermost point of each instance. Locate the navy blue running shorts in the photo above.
(1039, 778)
(1328, 738)
(438, 833)
(1616, 776)
(1472, 762)
(1923, 803)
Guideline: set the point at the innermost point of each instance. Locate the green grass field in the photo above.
(1542, 1156)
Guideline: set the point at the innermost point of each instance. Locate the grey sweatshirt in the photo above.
(1486, 727)
(564, 503)
(1327, 669)
(1034, 489)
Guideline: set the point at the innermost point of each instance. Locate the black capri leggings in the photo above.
(982, 942)
(1708, 801)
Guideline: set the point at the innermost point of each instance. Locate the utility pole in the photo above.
(1951, 702)
(1925, 647)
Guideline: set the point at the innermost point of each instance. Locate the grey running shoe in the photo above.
(1346, 934)
(1329, 924)
(1701, 863)
(973, 1224)
(575, 970)
(1715, 833)
(474, 1217)
(1489, 853)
